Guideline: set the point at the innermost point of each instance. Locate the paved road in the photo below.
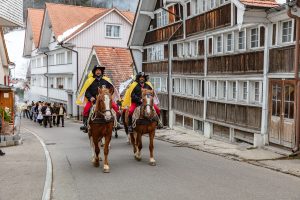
(181, 173)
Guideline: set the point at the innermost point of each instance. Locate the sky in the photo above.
(15, 41)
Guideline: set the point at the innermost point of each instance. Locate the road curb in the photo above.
(49, 173)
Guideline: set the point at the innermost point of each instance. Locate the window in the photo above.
(254, 38)
(164, 85)
(287, 31)
(113, 31)
(188, 123)
(198, 126)
(155, 53)
(44, 61)
(245, 91)
(60, 58)
(219, 44)
(212, 4)
(187, 50)
(213, 89)
(70, 83)
(178, 120)
(51, 82)
(176, 85)
(229, 42)
(156, 81)
(194, 48)
(180, 50)
(234, 90)
(256, 91)
(203, 6)
(33, 63)
(276, 99)
(189, 87)
(69, 57)
(162, 18)
(289, 102)
(223, 85)
(51, 59)
(241, 39)
(39, 62)
(183, 86)
(60, 82)
(199, 88)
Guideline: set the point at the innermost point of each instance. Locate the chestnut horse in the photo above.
(101, 125)
(146, 124)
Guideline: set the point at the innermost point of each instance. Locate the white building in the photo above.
(55, 73)
(11, 14)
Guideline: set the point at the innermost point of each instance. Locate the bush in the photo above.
(7, 115)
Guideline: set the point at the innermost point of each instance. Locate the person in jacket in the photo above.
(47, 112)
(61, 111)
(133, 96)
(89, 92)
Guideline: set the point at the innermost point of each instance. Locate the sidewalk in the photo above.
(23, 170)
(271, 159)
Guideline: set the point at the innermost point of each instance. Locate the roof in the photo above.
(5, 48)
(260, 3)
(117, 61)
(35, 16)
(64, 17)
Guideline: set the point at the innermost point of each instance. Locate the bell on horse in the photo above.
(145, 122)
(101, 125)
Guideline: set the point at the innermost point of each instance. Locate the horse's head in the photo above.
(147, 96)
(104, 102)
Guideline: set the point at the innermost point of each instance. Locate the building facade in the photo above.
(65, 37)
(221, 68)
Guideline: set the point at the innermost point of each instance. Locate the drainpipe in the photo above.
(77, 71)
(296, 65)
(47, 67)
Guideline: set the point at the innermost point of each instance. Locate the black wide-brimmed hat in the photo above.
(98, 67)
(141, 74)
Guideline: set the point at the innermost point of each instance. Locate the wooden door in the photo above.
(282, 112)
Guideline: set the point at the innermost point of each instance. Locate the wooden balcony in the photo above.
(250, 62)
(156, 67)
(188, 106)
(164, 33)
(282, 59)
(188, 67)
(213, 19)
(244, 116)
(163, 100)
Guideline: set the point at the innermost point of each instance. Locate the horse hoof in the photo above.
(96, 164)
(106, 169)
(137, 158)
(152, 163)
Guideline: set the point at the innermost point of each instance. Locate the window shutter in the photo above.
(295, 30)
(188, 7)
(166, 51)
(171, 16)
(175, 54)
(262, 36)
(210, 45)
(145, 55)
(274, 34)
(201, 47)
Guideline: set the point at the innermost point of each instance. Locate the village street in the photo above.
(181, 173)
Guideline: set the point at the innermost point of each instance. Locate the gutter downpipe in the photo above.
(77, 71)
(47, 67)
(296, 65)
(170, 64)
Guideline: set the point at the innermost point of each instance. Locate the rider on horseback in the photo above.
(133, 97)
(90, 91)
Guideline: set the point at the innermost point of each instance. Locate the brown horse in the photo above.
(101, 125)
(146, 124)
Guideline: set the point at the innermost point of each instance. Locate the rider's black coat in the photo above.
(136, 94)
(92, 90)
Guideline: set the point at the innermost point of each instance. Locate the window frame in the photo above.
(113, 31)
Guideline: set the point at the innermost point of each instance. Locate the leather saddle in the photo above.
(101, 121)
(144, 121)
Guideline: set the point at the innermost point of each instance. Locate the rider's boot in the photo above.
(159, 122)
(130, 129)
(84, 127)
